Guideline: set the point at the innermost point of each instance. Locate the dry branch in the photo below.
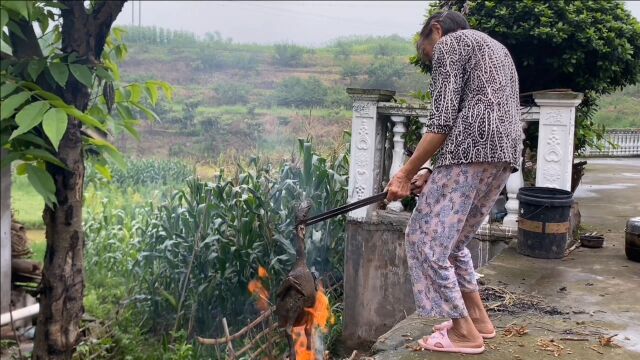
(257, 339)
(220, 341)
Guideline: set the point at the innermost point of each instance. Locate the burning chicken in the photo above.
(296, 297)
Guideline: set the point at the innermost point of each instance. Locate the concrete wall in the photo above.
(377, 287)
(5, 237)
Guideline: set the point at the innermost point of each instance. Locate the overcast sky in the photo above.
(311, 23)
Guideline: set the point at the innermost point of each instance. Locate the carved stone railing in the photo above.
(627, 143)
(378, 148)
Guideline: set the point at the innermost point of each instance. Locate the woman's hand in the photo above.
(419, 181)
(399, 187)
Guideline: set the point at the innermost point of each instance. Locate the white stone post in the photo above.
(399, 129)
(367, 142)
(555, 139)
(423, 120)
(5, 236)
(515, 182)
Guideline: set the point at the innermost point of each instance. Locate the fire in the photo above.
(256, 288)
(320, 316)
(262, 273)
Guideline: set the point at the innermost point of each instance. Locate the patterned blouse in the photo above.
(475, 100)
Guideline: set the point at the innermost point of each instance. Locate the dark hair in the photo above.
(450, 21)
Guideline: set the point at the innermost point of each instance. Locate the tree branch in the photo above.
(107, 11)
(104, 16)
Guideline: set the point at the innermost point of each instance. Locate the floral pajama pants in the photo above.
(448, 213)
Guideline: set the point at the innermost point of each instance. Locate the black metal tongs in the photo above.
(344, 209)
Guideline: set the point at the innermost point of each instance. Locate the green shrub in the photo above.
(287, 55)
(301, 93)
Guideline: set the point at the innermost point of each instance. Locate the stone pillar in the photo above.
(515, 182)
(555, 139)
(367, 146)
(5, 236)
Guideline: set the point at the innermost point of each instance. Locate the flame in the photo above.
(320, 316)
(256, 288)
(262, 272)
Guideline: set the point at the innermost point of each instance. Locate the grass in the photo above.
(38, 243)
(26, 203)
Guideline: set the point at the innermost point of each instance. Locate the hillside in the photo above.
(237, 99)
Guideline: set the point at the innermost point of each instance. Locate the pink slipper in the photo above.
(439, 341)
(449, 324)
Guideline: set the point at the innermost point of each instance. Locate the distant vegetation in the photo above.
(244, 98)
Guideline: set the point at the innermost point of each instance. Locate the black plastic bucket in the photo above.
(543, 226)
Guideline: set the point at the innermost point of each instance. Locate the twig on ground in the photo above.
(220, 341)
(257, 338)
(232, 353)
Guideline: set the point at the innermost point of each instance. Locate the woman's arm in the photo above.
(399, 187)
(446, 89)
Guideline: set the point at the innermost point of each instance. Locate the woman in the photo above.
(475, 129)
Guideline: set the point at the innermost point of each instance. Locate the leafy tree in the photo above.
(298, 92)
(351, 70)
(384, 73)
(587, 46)
(288, 55)
(61, 95)
(343, 50)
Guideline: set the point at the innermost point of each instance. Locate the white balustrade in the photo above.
(372, 147)
(399, 129)
(627, 143)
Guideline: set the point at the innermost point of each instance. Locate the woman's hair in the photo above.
(449, 21)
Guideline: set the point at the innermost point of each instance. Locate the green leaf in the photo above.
(43, 23)
(11, 157)
(55, 125)
(44, 155)
(110, 150)
(104, 171)
(21, 169)
(150, 114)
(117, 32)
(36, 140)
(166, 88)
(82, 73)
(84, 118)
(13, 27)
(104, 74)
(60, 72)
(29, 116)
(9, 106)
(4, 46)
(35, 67)
(136, 93)
(152, 91)
(7, 89)
(43, 183)
(129, 124)
(19, 6)
(4, 18)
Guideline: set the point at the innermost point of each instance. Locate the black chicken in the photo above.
(298, 290)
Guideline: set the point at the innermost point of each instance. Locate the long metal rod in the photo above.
(344, 209)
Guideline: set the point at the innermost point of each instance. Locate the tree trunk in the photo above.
(62, 284)
(62, 287)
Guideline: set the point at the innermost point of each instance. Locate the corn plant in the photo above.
(190, 256)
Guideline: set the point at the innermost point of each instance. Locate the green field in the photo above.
(26, 203)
